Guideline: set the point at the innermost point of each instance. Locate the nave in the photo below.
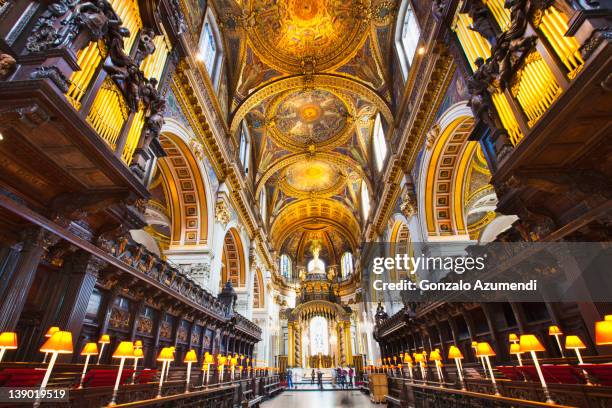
(338, 399)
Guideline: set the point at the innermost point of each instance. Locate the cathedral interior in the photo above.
(194, 196)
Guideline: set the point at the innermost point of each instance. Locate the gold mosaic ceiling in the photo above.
(296, 35)
(312, 177)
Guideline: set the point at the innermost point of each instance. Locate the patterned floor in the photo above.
(339, 399)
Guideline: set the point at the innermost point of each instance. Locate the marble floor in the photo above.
(322, 399)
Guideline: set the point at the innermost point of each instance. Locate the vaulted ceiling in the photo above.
(308, 78)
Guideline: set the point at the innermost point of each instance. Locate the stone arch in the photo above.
(185, 188)
(258, 291)
(233, 266)
(400, 243)
(445, 175)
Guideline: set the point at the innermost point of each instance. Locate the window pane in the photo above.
(380, 144)
(365, 200)
(410, 35)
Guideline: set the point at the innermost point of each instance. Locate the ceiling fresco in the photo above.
(300, 35)
(313, 117)
(309, 79)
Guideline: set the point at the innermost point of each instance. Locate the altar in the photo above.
(304, 375)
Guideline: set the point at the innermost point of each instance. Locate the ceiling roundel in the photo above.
(302, 118)
(312, 177)
(292, 35)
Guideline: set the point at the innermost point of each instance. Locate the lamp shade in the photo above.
(608, 317)
(435, 356)
(221, 359)
(530, 342)
(52, 330)
(603, 332)
(515, 348)
(165, 354)
(138, 343)
(474, 344)
(60, 342)
(418, 357)
(8, 340)
(191, 357)
(574, 342)
(125, 349)
(407, 359)
(90, 349)
(104, 339)
(484, 349)
(138, 353)
(454, 352)
(512, 337)
(208, 358)
(554, 330)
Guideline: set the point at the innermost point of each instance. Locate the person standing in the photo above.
(312, 377)
(351, 373)
(320, 379)
(289, 378)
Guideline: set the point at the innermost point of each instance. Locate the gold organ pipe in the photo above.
(152, 67)
(554, 25)
(507, 117)
(108, 113)
(501, 14)
(536, 88)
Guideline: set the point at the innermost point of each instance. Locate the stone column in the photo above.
(35, 243)
(348, 347)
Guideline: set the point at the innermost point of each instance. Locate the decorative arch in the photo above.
(330, 81)
(400, 243)
(185, 189)
(233, 266)
(303, 212)
(258, 291)
(445, 176)
(332, 157)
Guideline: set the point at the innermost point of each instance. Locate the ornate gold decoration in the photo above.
(222, 212)
(304, 212)
(341, 161)
(298, 36)
(409, 204)
(312, 177)
(326, 81)
(302, 118)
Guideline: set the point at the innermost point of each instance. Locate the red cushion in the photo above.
(601, 372)
(511, 373)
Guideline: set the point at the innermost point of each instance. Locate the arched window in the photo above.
(263, 205)
(210, 50)
(407, 35)
(380, 143)
(245, 147)
(347, 265)
(285, 266)
(365, 201)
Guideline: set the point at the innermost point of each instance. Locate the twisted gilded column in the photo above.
(290, 334)
(341, 347)
(297, 341)
(347, 341)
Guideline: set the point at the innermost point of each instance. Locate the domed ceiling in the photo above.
(312, 177)
(310, 78)
(313, 117)
(290, 35)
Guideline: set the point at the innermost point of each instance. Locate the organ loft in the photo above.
(201, 202)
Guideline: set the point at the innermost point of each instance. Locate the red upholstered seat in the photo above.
(99, 377)
(145, 376)
(22, 377)
(511, 373)
(564, 374)
(529, 372)
(601, 373)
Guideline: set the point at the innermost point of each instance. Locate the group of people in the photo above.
(342, 377)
